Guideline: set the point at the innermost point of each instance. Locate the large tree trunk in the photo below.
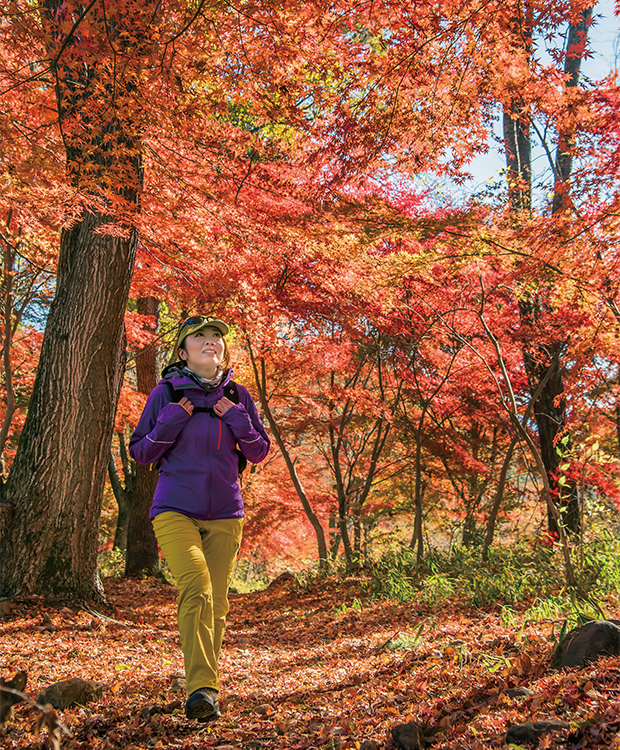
(49, 538)
(549, 417)
(142, 551)
(56, 482)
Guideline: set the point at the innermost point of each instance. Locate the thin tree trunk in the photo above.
(122, 501)
(577, 37)
(344, 535)
(618, 423)
(260, 379)
(357, 532)
(550, 410)
(10, 406)
(511, 405)
(417, 539)
(497, 502)
(335, 444)
(518, 158)
(335, 538)
(301, 493)
(142, 551)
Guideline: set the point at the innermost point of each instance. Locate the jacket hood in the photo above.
(180, 377)
(172, 369)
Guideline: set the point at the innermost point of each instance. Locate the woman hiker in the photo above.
(198, 426)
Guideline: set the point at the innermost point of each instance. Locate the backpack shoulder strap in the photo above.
(175, 396)
(232, 392)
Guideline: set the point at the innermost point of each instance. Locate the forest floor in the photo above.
(318, 667)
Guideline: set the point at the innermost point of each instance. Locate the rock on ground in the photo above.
(533, 731)
(8, 698)
(70, 692)
(408, 736)
(587, 643)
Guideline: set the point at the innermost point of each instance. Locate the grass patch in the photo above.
(527, 571)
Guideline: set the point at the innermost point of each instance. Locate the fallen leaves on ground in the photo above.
(303, 668)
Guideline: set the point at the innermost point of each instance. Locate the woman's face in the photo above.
(203, 351)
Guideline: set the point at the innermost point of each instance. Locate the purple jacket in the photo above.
(198, 473)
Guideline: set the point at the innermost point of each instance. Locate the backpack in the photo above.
(232, 394)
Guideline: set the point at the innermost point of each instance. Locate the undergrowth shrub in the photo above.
(522, 572)
(565, 608)
(598, 563)
(111, 563)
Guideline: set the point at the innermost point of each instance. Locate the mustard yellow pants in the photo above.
(201, 556)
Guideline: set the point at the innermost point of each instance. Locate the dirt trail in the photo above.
(318, 668)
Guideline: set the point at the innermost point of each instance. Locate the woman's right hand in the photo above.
(187, 405)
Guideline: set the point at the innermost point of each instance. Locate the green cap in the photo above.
(196, 323)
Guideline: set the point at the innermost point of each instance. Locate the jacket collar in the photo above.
(178, 380)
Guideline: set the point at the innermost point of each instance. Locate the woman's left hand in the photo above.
(222, 406)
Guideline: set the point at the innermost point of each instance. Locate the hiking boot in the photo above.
(202, 705)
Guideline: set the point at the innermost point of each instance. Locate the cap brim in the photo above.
(219, 325)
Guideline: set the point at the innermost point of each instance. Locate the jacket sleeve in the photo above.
(159, 426)
(243, 420)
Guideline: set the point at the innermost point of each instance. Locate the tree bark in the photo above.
(550, 417)
(618, 424)
(518, 157)
(343, 499)
(142, 551)
(510, 403)
(49, 542)
(577, 37)
(55, 486)
(10, 406)
(542, 362)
